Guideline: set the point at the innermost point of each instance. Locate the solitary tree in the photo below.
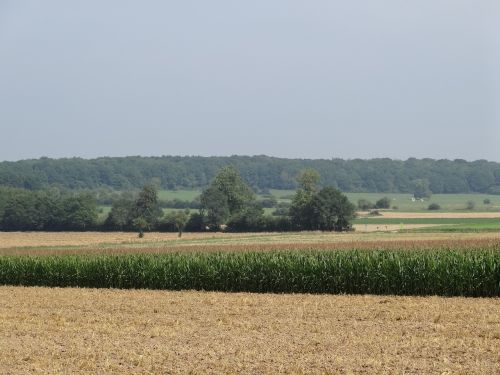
(180, 220)
(140, 224)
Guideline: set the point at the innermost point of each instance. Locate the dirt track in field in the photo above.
(86, 331)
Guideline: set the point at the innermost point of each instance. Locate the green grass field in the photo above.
(185, 195)
(444, 224)
(463, 228)
(448, 202)
(431, 220)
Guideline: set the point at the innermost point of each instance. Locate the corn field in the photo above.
(447, 273)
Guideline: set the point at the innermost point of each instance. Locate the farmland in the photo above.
(445, 272)
(184, 195)
(448, 202)
(403, 263)
(113, 331)
(87, 330)
(249, 188)
(84, 242)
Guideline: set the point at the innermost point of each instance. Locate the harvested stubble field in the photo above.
(106, 331)
(103, 331)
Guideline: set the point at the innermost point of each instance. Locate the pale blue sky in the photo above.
(308, 79)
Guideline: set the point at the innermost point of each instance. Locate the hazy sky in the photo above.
(308, 79)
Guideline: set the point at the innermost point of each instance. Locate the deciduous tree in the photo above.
(332, 210)
(227, 195)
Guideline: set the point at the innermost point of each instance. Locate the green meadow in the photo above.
(448, 202)
(184, 195)
(404, 203)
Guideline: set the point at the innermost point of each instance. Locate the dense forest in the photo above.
(260, 172)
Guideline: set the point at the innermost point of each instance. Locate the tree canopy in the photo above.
(259, 172)
(332, 210)
(326, 209)
(46, 210)
(141, 213)
(226, 196)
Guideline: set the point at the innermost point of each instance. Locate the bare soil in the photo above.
(88, 331)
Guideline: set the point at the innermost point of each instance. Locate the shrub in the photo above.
(196, 223)
(365, 205)
(434, 207)
(471, 205)
(383, 203)
(268, 202)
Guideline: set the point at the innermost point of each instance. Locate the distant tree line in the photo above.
(420, 176)
(47, 210)
(228, 204)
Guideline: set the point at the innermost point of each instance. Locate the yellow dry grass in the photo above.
(86, 331)
(18, 240)
(32, 239)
